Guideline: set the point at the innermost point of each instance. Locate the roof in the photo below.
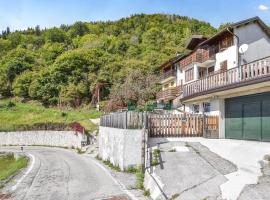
(171, 61)
(253, 19)
(194, 41)
(238, 24)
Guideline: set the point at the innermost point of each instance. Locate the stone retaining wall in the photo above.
(46, 138)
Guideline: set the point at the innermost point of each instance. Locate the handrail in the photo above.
(168, 74)
(170, 92)
(251, 70)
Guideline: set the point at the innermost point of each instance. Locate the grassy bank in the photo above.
(9, 165)
(15, 115)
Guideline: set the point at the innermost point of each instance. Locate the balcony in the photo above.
(203, 56)
(169, 94)
(251, 73)
(168, 75)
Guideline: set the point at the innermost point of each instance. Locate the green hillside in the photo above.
(66, 65)
(16, 116)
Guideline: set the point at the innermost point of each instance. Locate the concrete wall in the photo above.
(50, 138)
(257, 39)
(122, 147)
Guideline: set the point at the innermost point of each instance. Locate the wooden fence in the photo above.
(160, 125)
(181, 125)
(124, 120)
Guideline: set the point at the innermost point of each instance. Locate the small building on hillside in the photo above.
(217, 77)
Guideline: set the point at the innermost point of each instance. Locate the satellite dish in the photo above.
(243, 48)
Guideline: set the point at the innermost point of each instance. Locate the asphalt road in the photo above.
(59, 174)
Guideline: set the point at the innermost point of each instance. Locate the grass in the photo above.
(155, 159)
(146, 193)
(173, 197)
(140, 180)
(132, 170)
(109, 164)
(15, 115)
(79, 151)
(9, 165)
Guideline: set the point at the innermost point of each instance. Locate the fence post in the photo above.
(126, 119)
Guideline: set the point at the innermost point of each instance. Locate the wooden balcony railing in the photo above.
(167, 74)
(169, 93)
(251, 71)
(200, 56)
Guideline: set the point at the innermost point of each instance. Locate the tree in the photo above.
(138, 87)
(56, 35)
(69, 64)
(74, 95)
(17, 61)
(50, 51)
(37, 30)
(22, 83)
(78, 29)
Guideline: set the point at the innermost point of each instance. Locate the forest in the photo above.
(72, 65)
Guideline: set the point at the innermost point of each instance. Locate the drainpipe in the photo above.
(238, 54)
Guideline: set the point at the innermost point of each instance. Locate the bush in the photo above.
(11, 104)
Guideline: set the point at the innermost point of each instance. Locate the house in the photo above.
(226, 75)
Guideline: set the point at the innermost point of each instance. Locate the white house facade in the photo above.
(215, 78)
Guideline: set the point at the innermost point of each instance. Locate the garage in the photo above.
(248, 117)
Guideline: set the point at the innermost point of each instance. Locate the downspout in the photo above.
(238, 54)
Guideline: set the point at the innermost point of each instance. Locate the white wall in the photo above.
(258, 41)
(122, 147)
(217, 107)
(230, 55)
(180, 76)
(48, 138)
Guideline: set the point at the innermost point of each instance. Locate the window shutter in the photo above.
(223, 65)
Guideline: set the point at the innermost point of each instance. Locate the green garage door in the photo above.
(248, 117)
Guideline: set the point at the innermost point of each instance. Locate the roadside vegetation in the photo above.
(15, 116)
(9, 165)
(155, 158)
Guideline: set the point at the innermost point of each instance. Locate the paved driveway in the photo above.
(246, 155)
(59, 174)
(189, 171)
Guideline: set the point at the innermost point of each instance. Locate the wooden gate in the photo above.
(180, 125)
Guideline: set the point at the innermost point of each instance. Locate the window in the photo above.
(211, 70)
(223, 65)
(202, 72)
(196, 108)
(172, 84)
(189, 74)
(226, 42)
(206, 107)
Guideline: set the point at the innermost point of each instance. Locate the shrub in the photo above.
(10, 104)
(146, 193)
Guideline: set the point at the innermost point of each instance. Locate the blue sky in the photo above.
(20, 14)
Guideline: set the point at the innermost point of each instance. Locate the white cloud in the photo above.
(263, 7)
